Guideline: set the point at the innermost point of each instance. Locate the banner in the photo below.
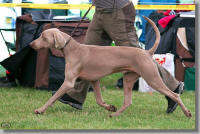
(86, 6)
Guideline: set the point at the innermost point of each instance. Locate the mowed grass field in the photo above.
(147, 111)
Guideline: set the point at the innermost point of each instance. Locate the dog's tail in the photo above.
(155, 28)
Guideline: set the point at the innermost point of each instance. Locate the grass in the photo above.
(2, 71)
(146, 112)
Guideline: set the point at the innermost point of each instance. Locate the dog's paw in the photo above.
(188, 114)
(111, 108)
(39, 111)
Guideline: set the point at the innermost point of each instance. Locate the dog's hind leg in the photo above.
(99, 99)
(157, 83)
(129, 80)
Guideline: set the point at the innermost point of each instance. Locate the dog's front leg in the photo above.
(99, 99)
(61, 91)
(68, 84)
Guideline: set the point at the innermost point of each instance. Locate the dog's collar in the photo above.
(67, 42)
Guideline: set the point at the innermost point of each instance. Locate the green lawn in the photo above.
(2, 71)
(147, 111)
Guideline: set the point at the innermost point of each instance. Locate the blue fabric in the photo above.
(148, 12)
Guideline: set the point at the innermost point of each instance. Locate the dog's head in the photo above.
(51, 38)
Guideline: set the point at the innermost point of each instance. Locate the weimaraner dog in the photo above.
(86, 62)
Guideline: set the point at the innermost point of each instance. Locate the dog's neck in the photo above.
(72, 46)
(67, 42)
(72, 43)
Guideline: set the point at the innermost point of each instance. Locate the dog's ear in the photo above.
(59, 40)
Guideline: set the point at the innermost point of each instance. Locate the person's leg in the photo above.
(95, 36)
(123, 33)
(167, 78)
(120, 26)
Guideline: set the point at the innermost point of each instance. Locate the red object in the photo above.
(161, 61)
(7, 72)
(167, 12)
(165, 21)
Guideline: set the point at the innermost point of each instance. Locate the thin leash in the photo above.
(72, 33)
